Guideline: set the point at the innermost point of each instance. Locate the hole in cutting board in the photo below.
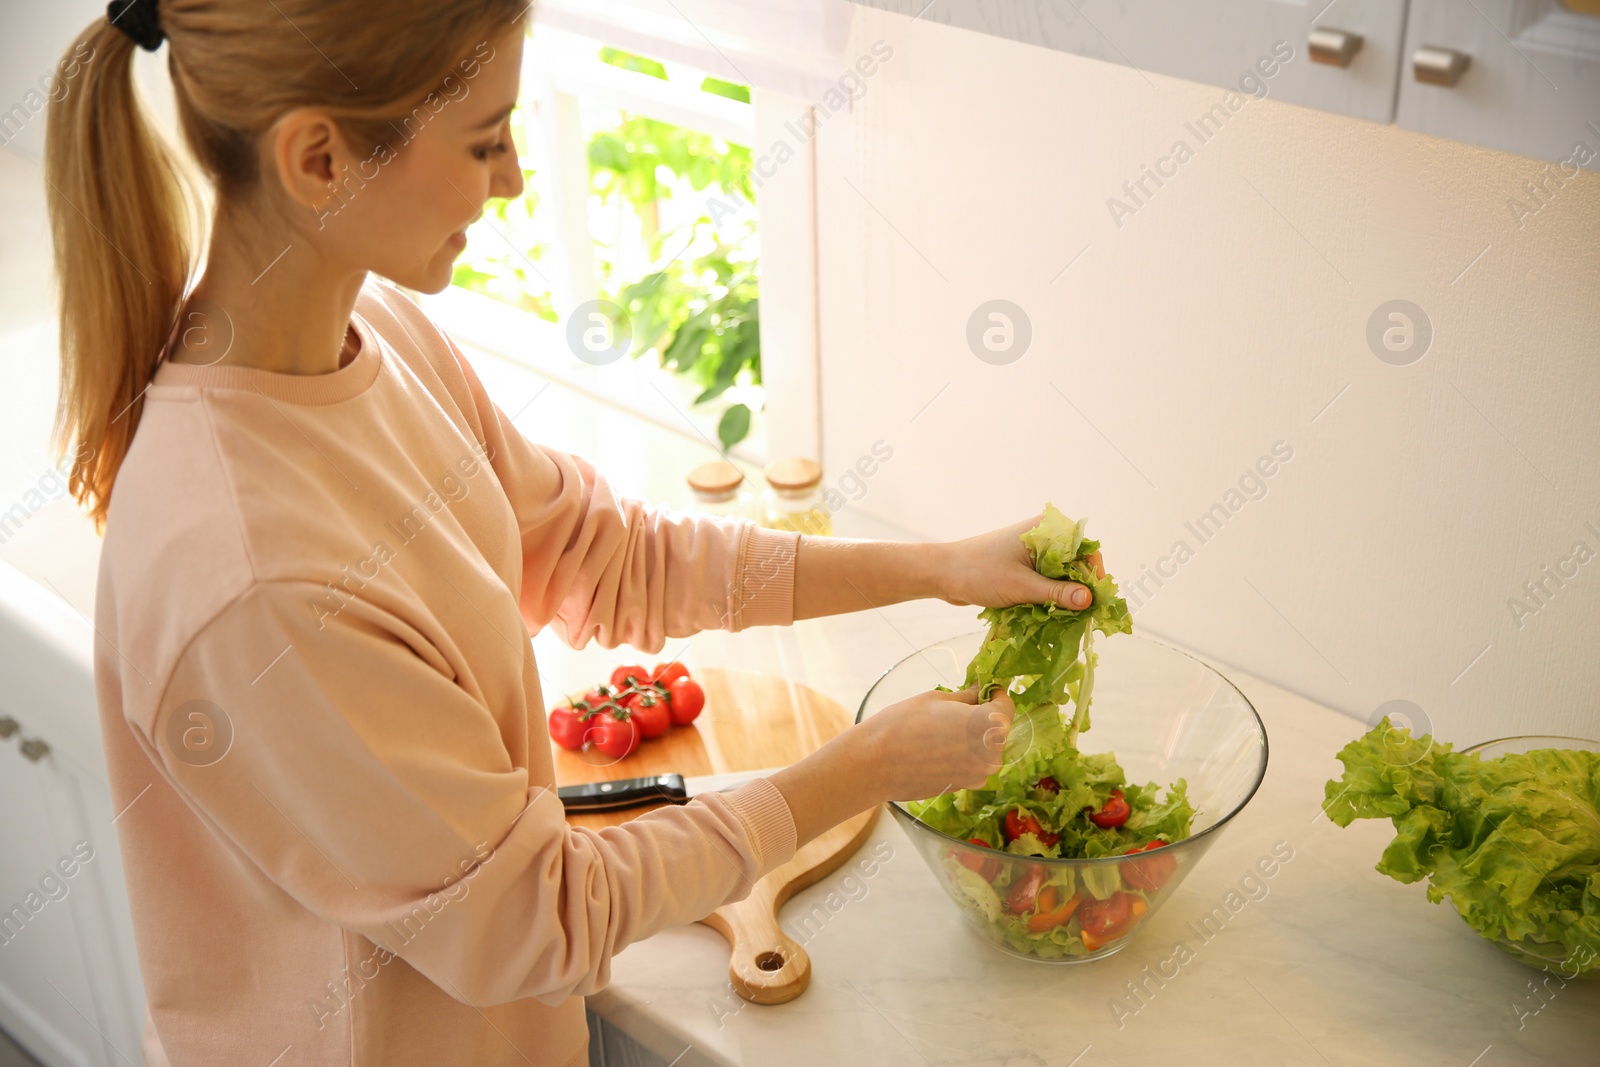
(770, 961)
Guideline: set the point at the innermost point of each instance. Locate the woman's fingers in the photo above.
(1002, 704)
(1002, 710)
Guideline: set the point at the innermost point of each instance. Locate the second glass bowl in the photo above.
(1540, 953)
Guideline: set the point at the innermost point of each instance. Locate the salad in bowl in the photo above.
(1065, 852)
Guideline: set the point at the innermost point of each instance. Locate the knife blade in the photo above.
(622, 793)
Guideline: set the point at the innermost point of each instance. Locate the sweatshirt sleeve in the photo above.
(374, 787)
(605, 567)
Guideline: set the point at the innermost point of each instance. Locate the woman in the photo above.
(327, 548)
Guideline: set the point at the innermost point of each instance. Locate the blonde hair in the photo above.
(123, 215)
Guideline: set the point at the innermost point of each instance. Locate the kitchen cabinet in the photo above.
(69, 983)
(1530, 83)
(1230, 43)
(1515, 75)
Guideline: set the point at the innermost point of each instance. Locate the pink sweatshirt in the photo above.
(324, 726)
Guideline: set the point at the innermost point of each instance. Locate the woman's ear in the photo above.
(308, 153)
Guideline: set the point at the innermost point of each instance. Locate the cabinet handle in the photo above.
(8, 726)
(1336, 48)
(1432, 65)
(34, 749)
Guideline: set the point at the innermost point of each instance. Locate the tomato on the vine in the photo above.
(566, 728)
(620, 676)
(669, 672)
(615, 737)
(651, 712)
(686, 699)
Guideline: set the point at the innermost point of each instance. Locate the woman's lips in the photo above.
(459, 238)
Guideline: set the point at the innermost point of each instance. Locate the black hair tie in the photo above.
(139, 19)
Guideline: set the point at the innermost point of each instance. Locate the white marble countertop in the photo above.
(1330, 963)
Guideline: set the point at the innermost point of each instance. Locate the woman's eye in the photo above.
(482, 154)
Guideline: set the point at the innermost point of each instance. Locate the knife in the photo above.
(622, 793)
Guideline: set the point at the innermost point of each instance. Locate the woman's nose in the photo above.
(507, 181)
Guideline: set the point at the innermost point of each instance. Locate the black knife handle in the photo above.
(623, 793)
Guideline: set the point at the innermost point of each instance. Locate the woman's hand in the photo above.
(936, 741)
(923, 746)
(994, 570)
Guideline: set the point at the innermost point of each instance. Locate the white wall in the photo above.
(1221, 317)
(33, 39)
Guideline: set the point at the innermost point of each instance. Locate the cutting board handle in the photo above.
(767, 966)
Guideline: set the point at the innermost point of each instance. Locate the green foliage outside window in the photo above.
(697, 305)
(511, 273)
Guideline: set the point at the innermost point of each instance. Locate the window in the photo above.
(631, 267)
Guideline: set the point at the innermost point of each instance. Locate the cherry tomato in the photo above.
(1114, 813)
(1052, 914)
(987, 866)
(652, 714)
(1105, 920)
(1148, 874)
(1024, 890)
(566, 728)
(592, 703)
(667, 673)
(620, 676)
(1019, 823)
(1049, 784)
(686, 699)
(1137, 908)
(613, 736)
(596, 697)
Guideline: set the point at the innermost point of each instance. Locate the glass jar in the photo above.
(793, 498)
(718, 489)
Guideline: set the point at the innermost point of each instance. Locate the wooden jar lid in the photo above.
(790, 475)
(715, 478)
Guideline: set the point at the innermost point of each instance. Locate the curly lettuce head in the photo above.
(1512, 842)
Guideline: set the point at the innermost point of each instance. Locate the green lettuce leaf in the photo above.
(1043, 654)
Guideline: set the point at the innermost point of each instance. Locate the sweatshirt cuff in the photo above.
(763, 582)
(765, 813)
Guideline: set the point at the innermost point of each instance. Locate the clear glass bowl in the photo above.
(1543, 955)
(1166, 716)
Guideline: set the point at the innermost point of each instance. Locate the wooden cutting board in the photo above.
(750, 722)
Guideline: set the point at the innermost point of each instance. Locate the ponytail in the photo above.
(120, 220)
